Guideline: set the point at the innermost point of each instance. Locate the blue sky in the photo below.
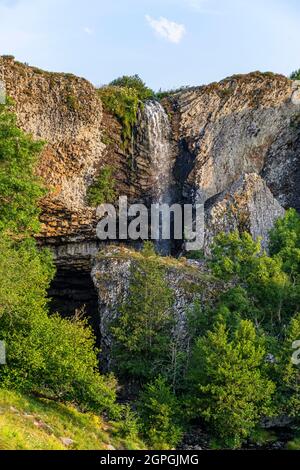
(169, 43)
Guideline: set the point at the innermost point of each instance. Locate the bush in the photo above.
(159, 411)
(55, 357)
(122, 98)
(20, 189)
(229, 388)
(136, 83)
(102, 191)
(51, 356)
(295, 75)
(143, 330)
(124, 104)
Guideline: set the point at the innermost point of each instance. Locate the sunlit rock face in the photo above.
(233, 145)
(202, 141)
(244, 124)
(247, 206)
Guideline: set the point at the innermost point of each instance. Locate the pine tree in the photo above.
(143, 330)
(230, 391)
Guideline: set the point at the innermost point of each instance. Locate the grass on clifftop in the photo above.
(28, 423)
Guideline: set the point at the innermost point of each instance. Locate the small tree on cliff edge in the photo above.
(295, 75)
(143, 330)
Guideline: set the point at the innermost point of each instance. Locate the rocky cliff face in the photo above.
(244, 124)
(220, 132)
(247, 205)
(65, 112)
(234, 145)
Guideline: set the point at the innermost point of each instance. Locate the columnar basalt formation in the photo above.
(248, 124)
(244, 124)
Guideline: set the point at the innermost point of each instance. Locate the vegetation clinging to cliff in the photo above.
(295, 75)
(143, 330)
(46, 355)
(102, 191)
(122, 98)
(20, 189)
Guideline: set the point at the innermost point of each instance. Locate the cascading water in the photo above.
(158, 137)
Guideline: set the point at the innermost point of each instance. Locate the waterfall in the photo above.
(158, 138)
(159, 148)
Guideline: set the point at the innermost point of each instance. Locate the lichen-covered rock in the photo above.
(111, 274)
(248, 205)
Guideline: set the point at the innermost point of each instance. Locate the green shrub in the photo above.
(295, 75)
(122, 98)
(48, 355)
(102, 191)
(160, 415)
(20, 189)
(288, 373)
(285, 242)
(55, 357)
(143, 330)
(136, 83)
(128, 425)
(124, 104)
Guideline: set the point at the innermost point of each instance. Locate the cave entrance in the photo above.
(73, 289)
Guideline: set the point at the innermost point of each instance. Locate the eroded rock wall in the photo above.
(244, 124)
(111, 274)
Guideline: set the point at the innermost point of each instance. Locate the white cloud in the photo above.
(167, 29)
(196, 4)
(88, 30)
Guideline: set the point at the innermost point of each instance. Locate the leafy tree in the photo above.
(239, 259)
(295, 75)
(143, 330)
(123, 97)
(20, 189)
(136, 83)
(288, 373)
(285, 242)
(229, 389)
(160, 415)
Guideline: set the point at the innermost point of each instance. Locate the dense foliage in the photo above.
(160, 414)
(135, 83)
(123, 97)
(238, 366)
(20, 189)
(46, 355)
(143, 330)
(229, 388)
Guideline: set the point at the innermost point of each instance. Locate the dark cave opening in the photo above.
(73, 289)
